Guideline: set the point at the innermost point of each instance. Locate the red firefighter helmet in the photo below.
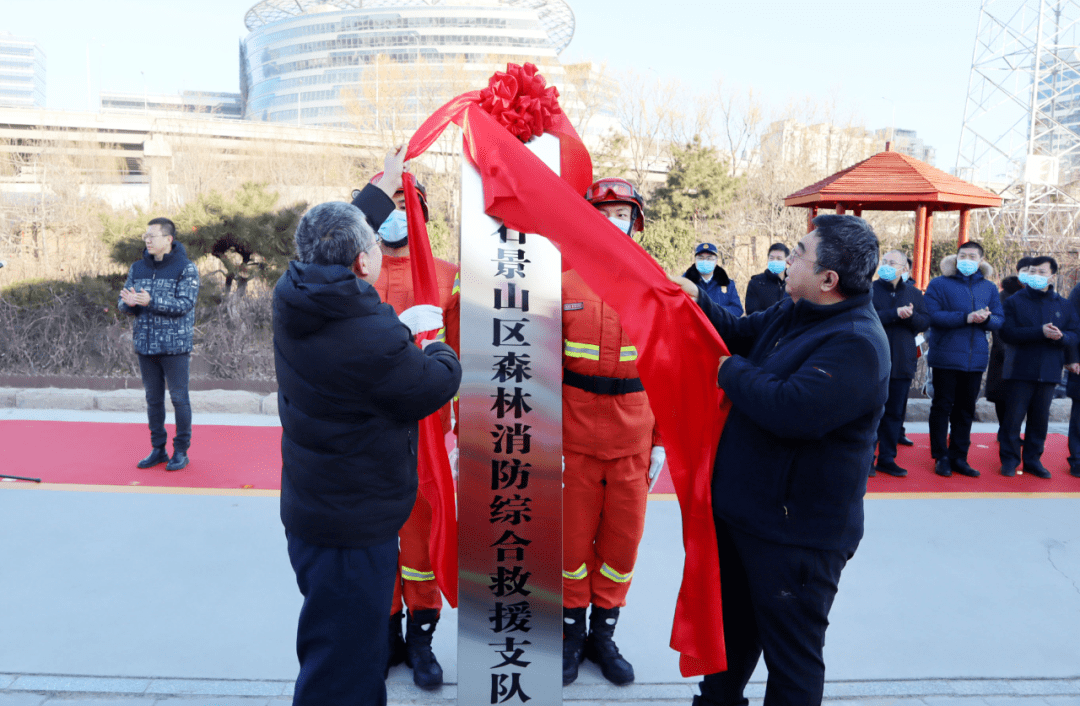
(419, 188)
(616, 190)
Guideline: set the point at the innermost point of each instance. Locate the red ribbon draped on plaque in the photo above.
(678, 349)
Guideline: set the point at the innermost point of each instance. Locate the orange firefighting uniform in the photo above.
(416, 580)
(607, 440)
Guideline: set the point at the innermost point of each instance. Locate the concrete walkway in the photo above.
(154, 598)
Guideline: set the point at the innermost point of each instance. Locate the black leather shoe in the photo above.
(1008, 471)
(904, 441)
(178, 461)
(1036, 469)
(156, 456)
(962, 467)
(943, 468)
(892, 469)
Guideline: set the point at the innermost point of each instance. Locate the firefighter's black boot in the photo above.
(419, 627)
(600, 646)
(573, 646)
(397, 642)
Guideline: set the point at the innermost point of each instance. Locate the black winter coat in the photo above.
(720, 288)
(1029, 355)
(1072, 354)
(995, 383)
(954, 343)
(900, 332)
(762, 291)
(808, 386)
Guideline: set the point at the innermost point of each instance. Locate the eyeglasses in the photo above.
(796, 255)
(147, 237)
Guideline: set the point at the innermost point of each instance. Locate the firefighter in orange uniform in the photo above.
(416, 582)
(611, 454)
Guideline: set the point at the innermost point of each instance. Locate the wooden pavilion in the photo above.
(891, 181)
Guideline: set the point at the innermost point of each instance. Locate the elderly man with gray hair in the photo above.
(352, 387)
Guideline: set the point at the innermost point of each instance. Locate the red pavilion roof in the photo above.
(891, 181)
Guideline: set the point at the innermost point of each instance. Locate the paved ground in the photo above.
(166, 598)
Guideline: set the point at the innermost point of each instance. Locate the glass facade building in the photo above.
(387, 63)
(22, 72)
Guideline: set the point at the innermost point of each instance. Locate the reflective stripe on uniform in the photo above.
(581, 350)
(414, 575)
(441, 335)
(581, 573)
(615, 575)
(627, 353)
(457, 284)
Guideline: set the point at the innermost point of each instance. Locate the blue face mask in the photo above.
(622, 225)
(776, 266)
(395, 230)
(1025, 278)
(967, 267)
(887, 273)
(1038, 281)
(905, 276)
(705, 267)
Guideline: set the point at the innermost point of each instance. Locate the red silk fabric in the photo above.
(436, 478)
(678, 349)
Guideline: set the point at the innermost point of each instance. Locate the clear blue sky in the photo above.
(916, 54)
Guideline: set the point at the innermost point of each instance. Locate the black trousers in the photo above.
(892, 422)
(342, 636)
(156, 370)
(1025, 397)
(1074, 436)
(776, 600)
(955, 394)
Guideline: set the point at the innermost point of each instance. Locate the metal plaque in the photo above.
(510, 436)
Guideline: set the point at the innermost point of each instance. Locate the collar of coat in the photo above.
(719, 276)
(948, 268)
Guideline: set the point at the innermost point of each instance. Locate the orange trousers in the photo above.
(416, 582)
(603, 521)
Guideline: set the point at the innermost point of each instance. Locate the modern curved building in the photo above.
(387, 63)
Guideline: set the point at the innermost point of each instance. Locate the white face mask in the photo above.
(621, 224)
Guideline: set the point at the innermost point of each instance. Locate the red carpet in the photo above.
(95, 453)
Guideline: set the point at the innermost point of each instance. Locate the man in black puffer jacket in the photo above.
(160, 292)
(807, 381)
(1040, 328)
(903, 315)
(352, 386)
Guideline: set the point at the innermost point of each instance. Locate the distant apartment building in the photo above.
(906, 142)
(823, 148)
(22, 72)
(188, 104)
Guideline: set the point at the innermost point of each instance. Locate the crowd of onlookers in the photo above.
(1034, 332)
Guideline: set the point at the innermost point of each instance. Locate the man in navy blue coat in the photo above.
(1040, 327)
(964, 305)
(707, 274)
(807, 380)
(903, 315)
(352, 387)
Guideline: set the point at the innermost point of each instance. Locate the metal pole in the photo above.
(1031, 120)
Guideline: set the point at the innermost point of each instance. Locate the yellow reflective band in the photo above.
(414, 575)
(576, 575)
(615, 575)
(581, 350)
(441, 336)
(627, 353)
(457, 285)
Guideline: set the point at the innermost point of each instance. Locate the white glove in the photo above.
(455, 454)
(422, 317)
(656, 462)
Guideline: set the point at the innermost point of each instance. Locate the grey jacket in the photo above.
(166, 326)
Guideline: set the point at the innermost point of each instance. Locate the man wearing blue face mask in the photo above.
(995, 382)
(765, 289)
(964, 305)
(1040, 326)
(903, 315)
(713, 279)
